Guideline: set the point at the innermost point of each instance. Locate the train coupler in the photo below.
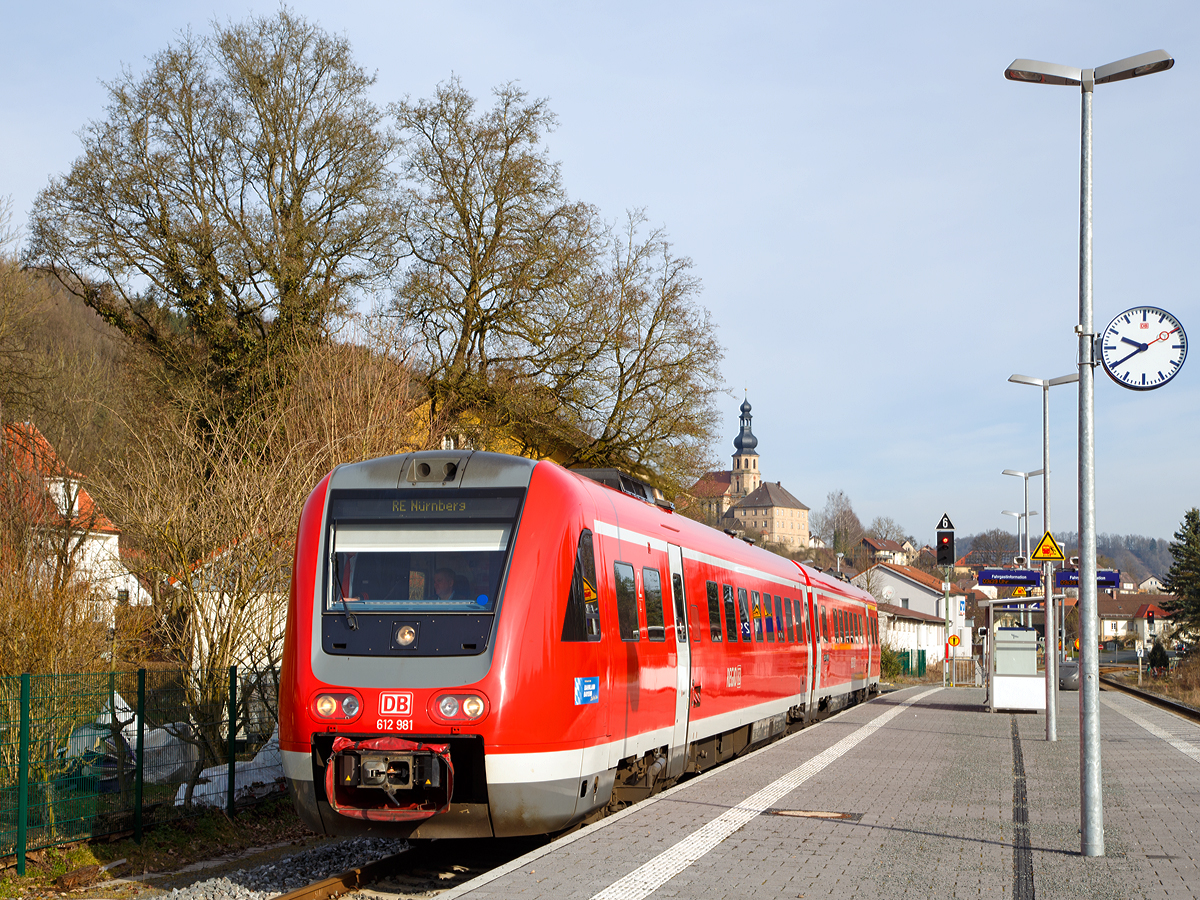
(389, 779)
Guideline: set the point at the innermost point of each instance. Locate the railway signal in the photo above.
(945, 548)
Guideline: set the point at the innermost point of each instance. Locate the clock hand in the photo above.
(1163, 336)
(1141, 349)
(1140, 346)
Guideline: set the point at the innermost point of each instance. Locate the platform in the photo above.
(917, 794)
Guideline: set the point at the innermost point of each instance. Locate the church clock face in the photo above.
(1143, 348)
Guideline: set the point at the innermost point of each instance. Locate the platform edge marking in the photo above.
(1161, 733)
(650, 876)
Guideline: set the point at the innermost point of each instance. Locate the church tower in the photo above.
(746, 477)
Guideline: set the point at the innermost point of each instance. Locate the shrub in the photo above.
(1158, 656)
(890, 665)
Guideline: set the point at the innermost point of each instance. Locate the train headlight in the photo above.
(326, 706)
(337, 706)
(405, 635)
(451, 709)
(472, 707)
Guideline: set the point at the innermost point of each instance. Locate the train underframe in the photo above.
(444, 793)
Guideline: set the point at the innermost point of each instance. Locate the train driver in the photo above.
(444, 581)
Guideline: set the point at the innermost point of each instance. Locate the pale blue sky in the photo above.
(885, 227)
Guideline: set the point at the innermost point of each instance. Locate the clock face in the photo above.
(1143, 348)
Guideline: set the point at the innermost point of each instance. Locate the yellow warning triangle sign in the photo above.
(1048, 550)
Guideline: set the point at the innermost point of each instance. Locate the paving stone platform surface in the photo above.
(924, 784)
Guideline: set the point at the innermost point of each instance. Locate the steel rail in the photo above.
(350, 880)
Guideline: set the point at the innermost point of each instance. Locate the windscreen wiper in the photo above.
(351, 619)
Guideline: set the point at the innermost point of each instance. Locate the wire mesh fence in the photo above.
(106, 753)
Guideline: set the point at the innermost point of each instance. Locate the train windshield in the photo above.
(410, 567)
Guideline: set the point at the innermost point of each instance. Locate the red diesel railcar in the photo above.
(480, 644)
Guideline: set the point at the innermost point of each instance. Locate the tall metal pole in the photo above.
(1026, 612)
(1048, 582)
(1091, 800)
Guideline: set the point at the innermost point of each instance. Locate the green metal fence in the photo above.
(106, 753)
(913, 662)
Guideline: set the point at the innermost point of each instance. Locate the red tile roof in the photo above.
(922, 578)
(33, 456)
(713, 484)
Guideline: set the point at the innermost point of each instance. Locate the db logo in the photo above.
(395, 703)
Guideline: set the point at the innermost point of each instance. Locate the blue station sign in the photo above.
(1069, 578)
(1010, 577)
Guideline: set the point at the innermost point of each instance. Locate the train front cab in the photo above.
(541, 758)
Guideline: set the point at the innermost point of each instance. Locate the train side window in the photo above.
(714, 612)
(841, 626)
(779, 635)
(824, 625)
(801, 620)
(787, 611)
(731, 626)
(759, 613)
(581, 622)
(744, 614)
(627, 611)
(858, 629)
(655, 620)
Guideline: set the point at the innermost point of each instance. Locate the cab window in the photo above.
(581, 622)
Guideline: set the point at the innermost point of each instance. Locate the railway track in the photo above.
(1181, 709)
(426, 868)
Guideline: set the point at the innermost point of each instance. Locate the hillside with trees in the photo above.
(1134, 554)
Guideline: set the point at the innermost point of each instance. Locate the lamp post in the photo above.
(1022, 530)
(1025, 476)
(1047, 567)
(1091, 795)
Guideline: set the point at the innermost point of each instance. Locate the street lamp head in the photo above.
(1135, 66)
(1044, 383)
(1014, 472)
(1027, 379)
(1009, 512)
(1037, 72)
(1042, 72)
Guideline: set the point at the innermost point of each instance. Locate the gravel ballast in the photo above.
(291, 872)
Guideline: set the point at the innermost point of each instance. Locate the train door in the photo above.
(683, 666)
(812, 671)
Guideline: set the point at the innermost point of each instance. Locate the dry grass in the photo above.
(1182, 685)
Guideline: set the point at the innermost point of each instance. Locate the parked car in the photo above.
(1068, 675)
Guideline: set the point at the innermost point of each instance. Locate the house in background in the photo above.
(907, 588)
(1150, 586)
(69, 535)
(885, 551)
(906, 629)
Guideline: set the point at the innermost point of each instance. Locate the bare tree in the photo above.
(230, 203)
(883, 528)
(837, 524)
(539, 324)
(51, 612)
(993, 548)
(212, 521)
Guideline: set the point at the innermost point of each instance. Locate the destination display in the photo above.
(1010, 577)
(1105, 578)
(399, 505)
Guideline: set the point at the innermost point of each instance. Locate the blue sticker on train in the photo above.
(587, 690)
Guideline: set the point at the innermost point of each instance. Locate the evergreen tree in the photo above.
(1183, 578)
